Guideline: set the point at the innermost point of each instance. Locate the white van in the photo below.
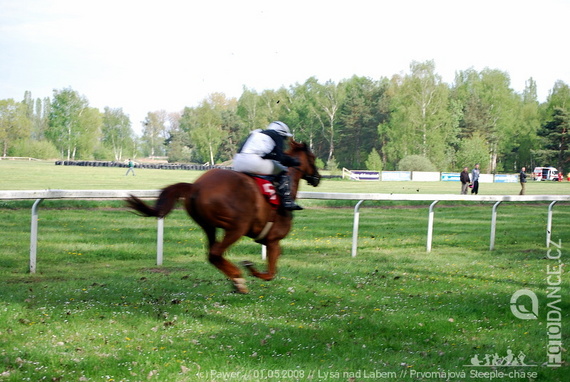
(545, 173)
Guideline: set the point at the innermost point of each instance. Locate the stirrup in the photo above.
(292, 206)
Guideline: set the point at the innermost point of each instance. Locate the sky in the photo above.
(144, 56)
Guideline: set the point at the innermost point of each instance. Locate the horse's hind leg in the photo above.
(216, 258)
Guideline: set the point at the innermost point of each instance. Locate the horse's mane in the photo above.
(295, 146)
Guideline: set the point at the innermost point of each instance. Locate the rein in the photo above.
(312, 179)
(304, 174)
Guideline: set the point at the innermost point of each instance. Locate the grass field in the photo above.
(99, 309)
(17, 175)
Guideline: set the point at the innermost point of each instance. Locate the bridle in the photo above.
(312, 179)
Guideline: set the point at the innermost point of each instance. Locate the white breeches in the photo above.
(257, 165)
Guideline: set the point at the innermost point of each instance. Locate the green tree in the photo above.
(490, 107)
(178, 148)
(235, 133)
(40, 118)
(523, 137)
(249, 110)
(556, 137)
(28, 103)
(14, 123)
(155, 133)
(89, 133)
(553, 121)
(472, 150)
(362, 111)
(324, 102)
(421, 120)
(374, 162)
(559, 97)
(209, 124)
(274, 105)
(117, 132)
(67, 129)
(303, 117)
(208, 134)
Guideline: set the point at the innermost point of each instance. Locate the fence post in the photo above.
(34, 236)
(355, 227)
(493, 225)
(430, 225)
(159, 241)
(549, 224)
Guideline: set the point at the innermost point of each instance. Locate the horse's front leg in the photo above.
(273, 253)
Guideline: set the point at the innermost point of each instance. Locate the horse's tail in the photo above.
(165, 202)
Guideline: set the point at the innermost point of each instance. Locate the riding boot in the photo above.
(284, 191)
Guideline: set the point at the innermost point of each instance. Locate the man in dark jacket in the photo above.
(464, 178)
(522, 179)
(262, 154)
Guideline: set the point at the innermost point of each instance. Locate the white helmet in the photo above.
(281, 128)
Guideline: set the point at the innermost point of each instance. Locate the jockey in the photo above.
(262, 154)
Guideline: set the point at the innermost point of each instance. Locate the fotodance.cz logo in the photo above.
(525, 305)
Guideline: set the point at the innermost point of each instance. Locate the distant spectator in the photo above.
(464, 178)
(475, 180)
(522, 179)
(131, 168)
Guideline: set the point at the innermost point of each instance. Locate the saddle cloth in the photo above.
(268, 190)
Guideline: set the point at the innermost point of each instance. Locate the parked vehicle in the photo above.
(545, 173)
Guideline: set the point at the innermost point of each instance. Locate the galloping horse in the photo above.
(232, 201)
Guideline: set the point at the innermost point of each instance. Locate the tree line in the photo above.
(411, 121)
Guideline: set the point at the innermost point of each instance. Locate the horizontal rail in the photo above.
(77, 194)
(39, 195)
(432, 197)
(119, 194)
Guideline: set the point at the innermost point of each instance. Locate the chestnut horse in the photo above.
(232, 201)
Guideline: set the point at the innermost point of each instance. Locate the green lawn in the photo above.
(99, 309)
(21, 175)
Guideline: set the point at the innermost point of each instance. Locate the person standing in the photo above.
(464, 178)
(522, 180)
(131, 168)
(475, 180)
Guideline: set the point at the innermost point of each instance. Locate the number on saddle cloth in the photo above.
(265, 184)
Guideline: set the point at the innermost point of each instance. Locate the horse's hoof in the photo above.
(239, 284)
(247, 263)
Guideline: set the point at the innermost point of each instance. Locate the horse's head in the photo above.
(307, 167)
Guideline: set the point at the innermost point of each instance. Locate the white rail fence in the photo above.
(360, 198)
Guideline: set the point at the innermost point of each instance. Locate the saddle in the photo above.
(265, 184)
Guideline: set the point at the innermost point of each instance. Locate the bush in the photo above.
(416, 163)
(35, 149)
(103, 153)
(374, 162)
(332, 166)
